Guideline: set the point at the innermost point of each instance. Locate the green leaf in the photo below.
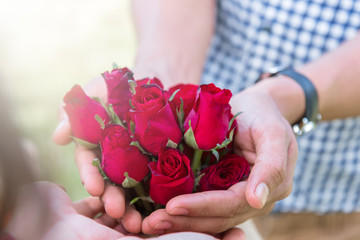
(180, 115)
(233, 119)
(147, 198)
(131, 104)
(231, 135)
(173, 95)
(84, 143)
(132, 85)
(115, 66)
(100, 121)
(134, 200)
(215, 153)
(137, 144)
(114, 117)
(128, 181)
(97, 99)
(132, 127)
(190, 137)
(197, 180)
(181, 148)
(96, 163)
(144, 198)
(171, 144)
(226, 142)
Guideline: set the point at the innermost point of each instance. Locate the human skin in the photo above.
(176, 50)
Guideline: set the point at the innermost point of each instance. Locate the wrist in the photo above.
(167, 71)
(286, 94)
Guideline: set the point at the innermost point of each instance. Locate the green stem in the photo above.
(196, 162)
(139, 189)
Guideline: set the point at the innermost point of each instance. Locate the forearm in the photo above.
(336, 76)
(173, 37)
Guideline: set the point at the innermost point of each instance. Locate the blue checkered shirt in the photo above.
(252, 36)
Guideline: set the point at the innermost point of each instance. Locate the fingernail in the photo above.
(179, 211)
(162, 225)
(262, 193)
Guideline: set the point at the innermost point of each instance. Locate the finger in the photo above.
(57, 199)
(131, 220)
(223, 203)
(121, 229)
(89, 207)
(62, 133)
(114, 201)
(97, 88)
(106, 220)
(234, 234)
(90, 176)
(185, 235)
(160, 222)
(269, 170)
(283, 191)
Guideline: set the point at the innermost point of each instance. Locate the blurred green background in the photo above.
(46, 47)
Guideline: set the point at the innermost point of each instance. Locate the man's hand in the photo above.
(265, 138)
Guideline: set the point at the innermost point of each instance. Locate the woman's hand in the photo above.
(112, 197)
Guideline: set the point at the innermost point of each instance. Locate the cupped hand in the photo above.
(113, 197)
(45, 211)
(265, 138)
(232, 234)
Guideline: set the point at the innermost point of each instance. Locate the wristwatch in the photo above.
(311, 117)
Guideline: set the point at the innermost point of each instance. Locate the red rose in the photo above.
(81, 111)
(171, 176)
(187, 92)
(119, 157)
(154, 121)
(119, 90)
(209, 117)
(229, 170)
(145, 81)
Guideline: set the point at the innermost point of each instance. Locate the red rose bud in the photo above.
(154, 121)
(118, 156)
(229, 170)
(81, 111)
(186, 92)
(118, 90)
(209, 118)
(145, 81)
(171, 176)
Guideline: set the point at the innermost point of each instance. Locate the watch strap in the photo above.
(311, 96)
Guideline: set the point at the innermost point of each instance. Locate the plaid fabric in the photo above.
(254, 35)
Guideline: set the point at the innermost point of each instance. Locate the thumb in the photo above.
(62, 133)
(268, 171)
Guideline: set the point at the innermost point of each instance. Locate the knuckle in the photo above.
(236, 208)
(277, 175)
(286, 192)
(205, 212)
(225, 225)
(186, 226)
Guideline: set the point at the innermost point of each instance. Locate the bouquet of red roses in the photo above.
(158, 143)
